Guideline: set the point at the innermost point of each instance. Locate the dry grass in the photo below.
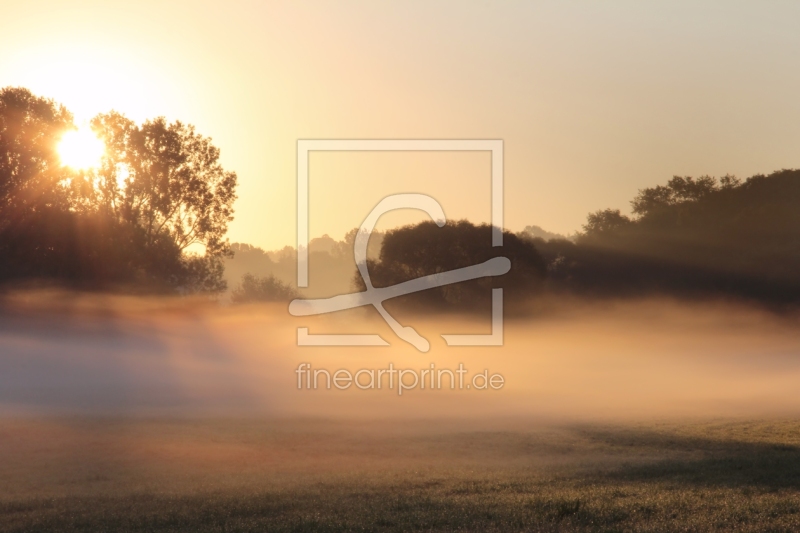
(105, 474)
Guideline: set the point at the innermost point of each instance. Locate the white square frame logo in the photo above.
(306, 146)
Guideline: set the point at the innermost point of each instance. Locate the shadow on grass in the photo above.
(640, 480)
(701, 461)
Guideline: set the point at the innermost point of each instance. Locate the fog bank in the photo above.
(90, 354)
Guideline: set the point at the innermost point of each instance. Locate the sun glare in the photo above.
(80, 149)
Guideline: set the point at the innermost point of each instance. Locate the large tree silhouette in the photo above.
(172, 181)
(419, 250)
(34, 195)
(131, 222)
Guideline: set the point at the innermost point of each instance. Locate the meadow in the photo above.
(116, 474)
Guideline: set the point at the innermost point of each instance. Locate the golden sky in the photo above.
(593, 100)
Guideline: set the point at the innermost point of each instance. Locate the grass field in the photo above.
(114, 474)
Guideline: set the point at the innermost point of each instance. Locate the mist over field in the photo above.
(142, 414)
(590, 360)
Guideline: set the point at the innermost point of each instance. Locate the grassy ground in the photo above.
(246, 475)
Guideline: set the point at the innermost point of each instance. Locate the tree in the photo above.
(31, 175)
(166, 181)
(604, 222)
(679, 190)
(166, 178)
(415, 251)
(159, 190)
(262, 289)
(34, 200)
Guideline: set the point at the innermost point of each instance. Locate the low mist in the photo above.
(566, 360)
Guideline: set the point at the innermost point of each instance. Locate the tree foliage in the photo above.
(423, 249)
(679, 190)
(691, 237)
(159, 190)
(604, 222)
(172, 181)
(262, 289)
(31, 175)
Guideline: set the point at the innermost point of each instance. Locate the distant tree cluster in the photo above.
(690, 238)
(262, 289)
(536, 232)
(331, 264)
(419, 250)
(130, 223)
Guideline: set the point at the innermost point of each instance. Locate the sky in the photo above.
(592, 100)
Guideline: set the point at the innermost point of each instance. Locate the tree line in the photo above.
(153, 216)
(690, 238)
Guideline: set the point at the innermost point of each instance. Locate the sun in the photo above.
(80, 149)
